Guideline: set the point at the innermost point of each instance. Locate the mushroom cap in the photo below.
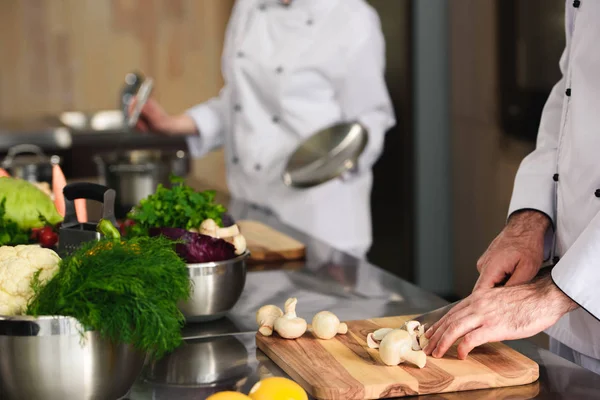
(325, 325)
(267, 312)
(394, 345)
(290, 328)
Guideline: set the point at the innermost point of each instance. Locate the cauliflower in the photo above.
(18, 264)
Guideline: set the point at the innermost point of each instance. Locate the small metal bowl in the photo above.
(217, 287)
(53, 358)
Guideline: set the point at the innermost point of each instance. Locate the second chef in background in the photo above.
(290, 69)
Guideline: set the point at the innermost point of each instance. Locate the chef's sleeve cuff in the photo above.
(210, 127)
(577, 273)
(534, 189)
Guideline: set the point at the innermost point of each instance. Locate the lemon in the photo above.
(228, 395)
(277, 388)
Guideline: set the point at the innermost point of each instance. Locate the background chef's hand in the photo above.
(518, 252)
(493, 315)
(154, 118)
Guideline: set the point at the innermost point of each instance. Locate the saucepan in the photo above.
(326, 155)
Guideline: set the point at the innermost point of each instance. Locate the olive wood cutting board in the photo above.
(346, 368)
(267, 244)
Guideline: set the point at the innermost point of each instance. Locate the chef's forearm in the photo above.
(183, 125)
(529, 221)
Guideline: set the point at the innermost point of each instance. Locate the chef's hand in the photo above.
(517, 252)
(497, 314)
(154, 118)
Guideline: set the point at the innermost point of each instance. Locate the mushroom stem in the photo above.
(342, 328)
(239, 242)
(416, 357)
(265, 318)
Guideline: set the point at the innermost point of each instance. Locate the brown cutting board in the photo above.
(267, 244)
(346, 368)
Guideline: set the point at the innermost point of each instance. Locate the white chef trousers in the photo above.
(569, 354)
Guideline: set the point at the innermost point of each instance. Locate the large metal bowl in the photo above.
(216, 288)
(52, 358)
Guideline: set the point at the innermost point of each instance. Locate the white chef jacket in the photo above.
(561, 178)
(290, 71)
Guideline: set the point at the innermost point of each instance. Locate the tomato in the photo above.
(48, 238)
(35, 233)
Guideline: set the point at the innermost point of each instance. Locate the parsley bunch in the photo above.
(178, 207)
(128, 291)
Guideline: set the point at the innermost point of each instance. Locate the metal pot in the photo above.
(135, 174)
(34, 167)
(217, 286)
(51, 358)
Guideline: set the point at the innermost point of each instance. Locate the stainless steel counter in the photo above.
(221, 355)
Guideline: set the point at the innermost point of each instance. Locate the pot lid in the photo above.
(325, 155)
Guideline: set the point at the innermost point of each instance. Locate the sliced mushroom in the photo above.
(372, 343)
(412, 328)
(379, 334)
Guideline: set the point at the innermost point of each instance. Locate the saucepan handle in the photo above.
(85, 190)
(89, 191)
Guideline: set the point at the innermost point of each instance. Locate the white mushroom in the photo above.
(371, 342)
(379, 334)
(412, 328)
(239, 242)
(265, 318)
(325, 325)
(290, 326)
(210, 228)
(396, 347)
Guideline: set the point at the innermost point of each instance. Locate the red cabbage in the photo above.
(196, 247)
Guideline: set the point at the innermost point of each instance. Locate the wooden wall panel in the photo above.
(73, 54)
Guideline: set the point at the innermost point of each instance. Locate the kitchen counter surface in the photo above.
(221, 355)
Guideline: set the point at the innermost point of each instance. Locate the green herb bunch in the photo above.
(178, 207)
(128, 291)
(10, 233)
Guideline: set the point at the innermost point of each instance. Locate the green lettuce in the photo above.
(26, 205)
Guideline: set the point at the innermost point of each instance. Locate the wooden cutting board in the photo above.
(346, 368)
(267, 244)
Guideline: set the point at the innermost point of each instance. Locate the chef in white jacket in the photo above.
(290, 69)
(554, 216)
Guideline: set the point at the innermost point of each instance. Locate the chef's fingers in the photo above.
(439, 329)
(454, 310)
(476, 338)
(523, 273)
(455, 330)
(493, 273)
(142, 125)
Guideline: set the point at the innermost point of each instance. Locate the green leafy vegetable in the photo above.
(25, 203)
(10, 233)
(178, 207)
(128, 291)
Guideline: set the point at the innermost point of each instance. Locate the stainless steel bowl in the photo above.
(52, 358)
(201, 362)
(217, 286)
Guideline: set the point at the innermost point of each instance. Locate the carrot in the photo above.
(58, 183)
(81, 210)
